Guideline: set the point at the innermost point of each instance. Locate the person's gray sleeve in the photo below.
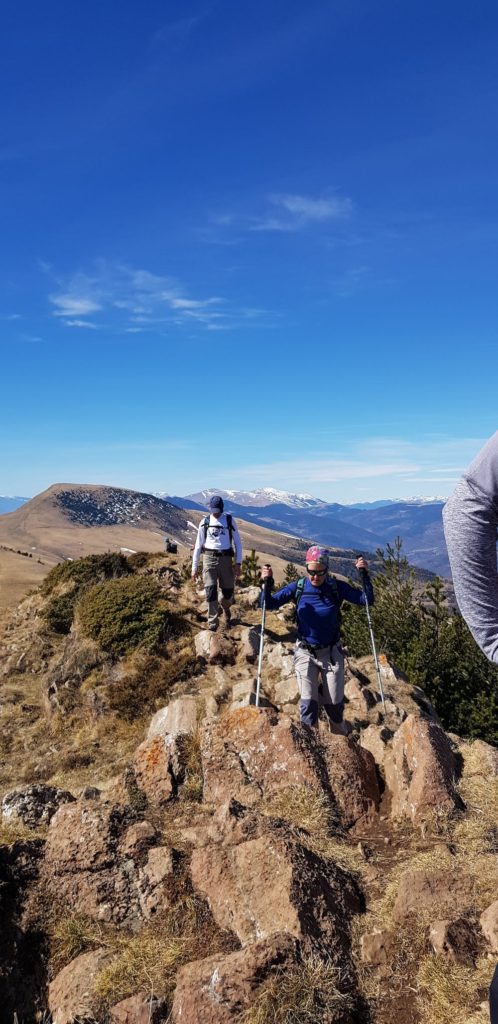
(470, 519)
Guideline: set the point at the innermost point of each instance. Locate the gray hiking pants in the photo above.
(217, 569)
(320, 678)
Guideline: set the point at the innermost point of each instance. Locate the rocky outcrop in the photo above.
(153, 771)
(455, 940)
(420, 770)
(215, 648)
(253, 751)
(218, 989)
(71, 995)
(422, 889)
(22, 966)
(139, 1009)
(272, 883)
(34, 806)
(103, 862)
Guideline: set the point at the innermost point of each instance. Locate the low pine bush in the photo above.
(122, 615)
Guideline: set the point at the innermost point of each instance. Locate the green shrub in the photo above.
(85, 572)
(58, 612)
(67, 581)
(124, 614)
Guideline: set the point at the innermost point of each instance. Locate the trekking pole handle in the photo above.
(363, 576)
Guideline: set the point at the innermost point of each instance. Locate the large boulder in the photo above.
(272, 883)
(71, 995)
(253, 752)
(456, 941)
(154, 770)
(248, 597)
(35, 805)
(426, 891)
(352, 779)
(250, 641)
(218, 989)
(420, 770)
(104, 863)
(376, 739)
(176, 724)
(222, 650)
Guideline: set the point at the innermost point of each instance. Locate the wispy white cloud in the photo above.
(73, 305)
(394, 463)
(81, 323)
(289, 212)
(129, 299)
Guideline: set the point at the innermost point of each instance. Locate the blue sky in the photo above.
(248, 244)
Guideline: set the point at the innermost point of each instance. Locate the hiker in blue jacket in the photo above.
(318, 655)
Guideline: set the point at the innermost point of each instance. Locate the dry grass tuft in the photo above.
(151, 959)
(15, 832)
(70, 936)
(309, 811)
(450, 992)
(193, 786)
(147, 961)
(302, 995)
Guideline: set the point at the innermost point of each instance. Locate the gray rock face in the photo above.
(34, 806)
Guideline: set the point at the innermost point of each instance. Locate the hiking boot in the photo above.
(227, 616)
(213, 627)
(339, 728)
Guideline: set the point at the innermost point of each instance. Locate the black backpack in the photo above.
(205, 526)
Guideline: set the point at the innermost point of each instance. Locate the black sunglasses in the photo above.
(316, 572)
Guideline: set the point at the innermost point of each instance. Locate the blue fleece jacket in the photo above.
(318, 609)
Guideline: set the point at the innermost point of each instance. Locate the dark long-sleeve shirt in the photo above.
(318, 609)
(470, 519)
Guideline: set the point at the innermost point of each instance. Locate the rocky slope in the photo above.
(173, 853)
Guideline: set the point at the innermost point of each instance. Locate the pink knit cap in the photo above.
(317, 554)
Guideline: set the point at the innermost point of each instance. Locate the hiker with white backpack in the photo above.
(218, 540)
(318, 655)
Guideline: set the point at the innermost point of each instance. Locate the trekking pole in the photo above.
(363, 576)
(261, 640)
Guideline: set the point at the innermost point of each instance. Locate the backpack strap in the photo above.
(205, 527)
(230, 527)
(298, 593)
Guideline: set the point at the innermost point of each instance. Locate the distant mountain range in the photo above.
(364, 527)
(9, 504)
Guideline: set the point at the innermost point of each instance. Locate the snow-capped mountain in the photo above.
(8, 503)
(260, 498)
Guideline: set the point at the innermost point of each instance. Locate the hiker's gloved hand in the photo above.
(267, 579)
(362, 564)
(236, 570)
